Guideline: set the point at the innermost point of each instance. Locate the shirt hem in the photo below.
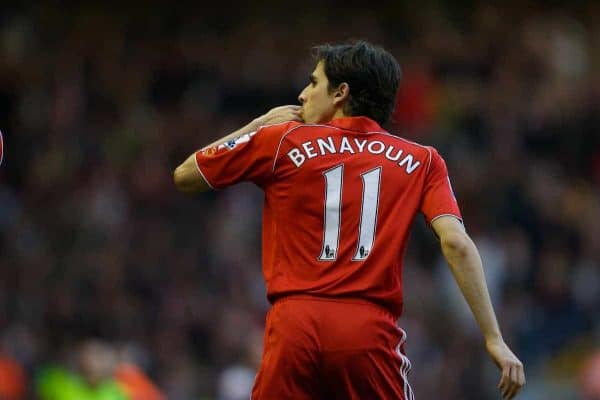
(447, 215)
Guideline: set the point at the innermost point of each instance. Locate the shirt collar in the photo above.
(361, 124)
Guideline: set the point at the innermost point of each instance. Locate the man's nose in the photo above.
(301, 98)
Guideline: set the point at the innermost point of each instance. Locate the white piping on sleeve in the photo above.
(446, 215)
(203, 176)
(430, 160)
(281, 141)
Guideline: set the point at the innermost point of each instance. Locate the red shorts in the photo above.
(318, 348)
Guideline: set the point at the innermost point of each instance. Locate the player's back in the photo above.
(339, 211)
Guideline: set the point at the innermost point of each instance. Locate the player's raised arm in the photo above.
(465, 263)
(188, 178)
(187, 175)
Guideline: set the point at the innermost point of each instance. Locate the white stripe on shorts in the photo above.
(404, 367)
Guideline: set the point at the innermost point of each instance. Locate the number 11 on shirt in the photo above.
(334, 180)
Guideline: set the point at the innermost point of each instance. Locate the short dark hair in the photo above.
(372, 73)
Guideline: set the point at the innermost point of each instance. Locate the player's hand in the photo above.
(513, 374)
(281, 114)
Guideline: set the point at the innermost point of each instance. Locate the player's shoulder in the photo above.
(414, 147)
(274, 133)
(428, 153)
(292, 129)
(280, 128)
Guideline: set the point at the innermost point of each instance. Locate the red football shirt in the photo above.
(340, 199)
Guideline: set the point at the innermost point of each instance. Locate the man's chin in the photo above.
(311, 120)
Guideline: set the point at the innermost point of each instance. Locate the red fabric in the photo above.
(136, 384)
(415, 103)
(12, 380)
(290, 164)
(331, 349)
(590, 376)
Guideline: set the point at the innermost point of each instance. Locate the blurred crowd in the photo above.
(98, 105)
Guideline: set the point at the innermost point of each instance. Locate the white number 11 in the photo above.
(333, 213)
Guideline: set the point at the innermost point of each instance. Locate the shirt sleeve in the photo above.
(246, 158)
(438, 197)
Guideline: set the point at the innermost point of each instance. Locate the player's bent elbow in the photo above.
(188, 179)
(455, 243)
(181, 179)
(177, 177)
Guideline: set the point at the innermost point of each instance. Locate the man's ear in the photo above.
(341, 93)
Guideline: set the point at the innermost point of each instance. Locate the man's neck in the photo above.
(339, 113)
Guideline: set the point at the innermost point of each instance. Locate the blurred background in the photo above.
(115, 286)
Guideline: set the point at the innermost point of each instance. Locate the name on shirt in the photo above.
(321, 147)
